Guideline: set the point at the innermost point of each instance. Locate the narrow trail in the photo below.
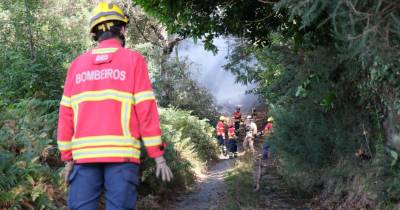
(275, 194)
(209, 189)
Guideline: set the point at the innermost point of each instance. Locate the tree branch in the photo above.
(266, 1)
(351, 5)
(157, 32)
(260, 20)
(170, 46)
(136, 23)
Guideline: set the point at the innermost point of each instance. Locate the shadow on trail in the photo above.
(209, 189)
(275, 194)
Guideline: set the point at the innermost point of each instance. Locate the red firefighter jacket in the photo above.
(108, 108)
(231, 132)
(237, 115)
(268, 128)
(220, 129)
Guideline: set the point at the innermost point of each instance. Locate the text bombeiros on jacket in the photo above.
(103, 74)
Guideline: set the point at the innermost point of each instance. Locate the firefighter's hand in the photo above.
(67, 171)
(163, 169)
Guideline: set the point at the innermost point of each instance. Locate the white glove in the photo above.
(163, 170)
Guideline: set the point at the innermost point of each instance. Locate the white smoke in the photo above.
(208, 71)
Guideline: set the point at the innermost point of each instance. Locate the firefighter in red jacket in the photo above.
(232, 140)
(238, 117)
(107, 110)
(221, 134)
(268, 130)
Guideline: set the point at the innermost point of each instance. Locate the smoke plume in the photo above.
(207, 70)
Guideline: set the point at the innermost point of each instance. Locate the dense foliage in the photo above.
(329, 72)
(29, 162)
(191, 146)
(36, 48)
(210, 19)
(39, 39)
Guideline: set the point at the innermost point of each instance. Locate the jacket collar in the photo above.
(113, 42)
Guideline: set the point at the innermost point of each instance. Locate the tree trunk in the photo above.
(30, 32)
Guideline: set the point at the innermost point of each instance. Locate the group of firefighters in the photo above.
(228, 133)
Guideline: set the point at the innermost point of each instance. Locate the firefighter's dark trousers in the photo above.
(232, 146)
(221, 141)
(265, 148)
(118, 181)
(237, 125)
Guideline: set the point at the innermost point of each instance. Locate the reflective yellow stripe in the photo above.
(105, 152)
(75, 108)
(151, 141)
(125, 98)
(104, 51)
(64, 145)
(102, 137)
(125, 117)
(65, 101)
(105, 141)
(143, 96)
(101, 95)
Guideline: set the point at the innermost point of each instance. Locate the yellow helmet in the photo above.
(222, 118)
(270, 119)
(105, 12)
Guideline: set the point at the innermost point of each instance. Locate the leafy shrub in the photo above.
(29, 161)
(197, 133)
(309, 142)
(190, 146)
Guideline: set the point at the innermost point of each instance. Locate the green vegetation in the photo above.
(190, 146)
(184, 93)
(240, 186)
(39, 39)
(329, 73)
(29, 162)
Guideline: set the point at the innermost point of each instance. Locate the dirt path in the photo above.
(275, 194)
(209, 189)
